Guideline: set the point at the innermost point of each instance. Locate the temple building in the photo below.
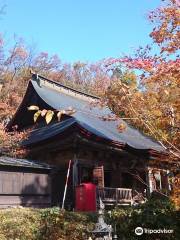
(119, 163)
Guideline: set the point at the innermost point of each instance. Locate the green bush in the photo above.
(155, 214)
(55, 224)
(42, 224)
(19, 223)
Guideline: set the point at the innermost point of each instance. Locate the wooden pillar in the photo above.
(168, 181)
(75, 173)
(98, 175)
(149, 181)
(74, 180)
(160, 180)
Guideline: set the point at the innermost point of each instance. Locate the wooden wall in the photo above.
(24, 188)
(114, 164)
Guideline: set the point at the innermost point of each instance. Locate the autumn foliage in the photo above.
(144, 87)
(153, 106)
(166, 31)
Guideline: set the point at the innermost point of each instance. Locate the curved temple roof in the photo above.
(51, 95)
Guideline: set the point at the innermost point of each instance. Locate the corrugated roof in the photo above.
(16, 162)
(58, 97)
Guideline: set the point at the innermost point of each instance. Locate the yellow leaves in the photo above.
(59, 114)
(36, 115)
(49, 116)
(157, 113)
(33, 108)
(123, 98)
(166, 92)
(121, 127)
(43, 112)
(69, 112)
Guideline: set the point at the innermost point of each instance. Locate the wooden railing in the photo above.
(115, 196)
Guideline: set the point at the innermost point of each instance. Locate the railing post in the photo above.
(116, 196)
(131, 197)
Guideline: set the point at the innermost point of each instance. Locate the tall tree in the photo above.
(154, 106)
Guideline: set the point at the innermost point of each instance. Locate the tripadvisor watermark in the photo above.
(139, 231)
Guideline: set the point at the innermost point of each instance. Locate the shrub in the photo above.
(55, 224)
(19, 224)
(155, 214)
(43, 224)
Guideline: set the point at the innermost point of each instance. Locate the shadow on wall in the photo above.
(58, 181)
(36, 191)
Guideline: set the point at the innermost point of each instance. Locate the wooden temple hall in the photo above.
(117, 162)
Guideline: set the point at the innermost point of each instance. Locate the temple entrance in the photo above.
(127, 180)
(107, 178)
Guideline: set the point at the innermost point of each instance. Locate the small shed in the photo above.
(24, 183)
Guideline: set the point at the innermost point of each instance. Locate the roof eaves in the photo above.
(36, 77)
(14, 162)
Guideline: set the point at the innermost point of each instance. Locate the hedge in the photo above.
(155, 214)
(55, 224)
(42, 224)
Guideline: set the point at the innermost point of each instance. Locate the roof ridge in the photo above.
(36, 76)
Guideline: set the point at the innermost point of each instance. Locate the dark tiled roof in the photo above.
(14, 162)
(56, 96)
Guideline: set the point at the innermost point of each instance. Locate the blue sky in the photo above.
(85, 30)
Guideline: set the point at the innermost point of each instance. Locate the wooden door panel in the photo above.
(98, 176)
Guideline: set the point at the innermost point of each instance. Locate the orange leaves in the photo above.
(166, 31)
(3, 106)
(175, 196)
(158, 76)
(157, 113)
(166, 92)
(150, 105)
(10, 142)
(5, 111)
